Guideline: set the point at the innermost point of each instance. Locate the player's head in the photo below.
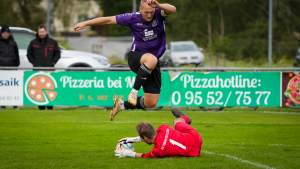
(146, 131)
(42, 32)
(147, 11)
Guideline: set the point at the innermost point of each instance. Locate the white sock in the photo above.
(122, 105)
(134, 91)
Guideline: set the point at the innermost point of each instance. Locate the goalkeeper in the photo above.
(183, 141)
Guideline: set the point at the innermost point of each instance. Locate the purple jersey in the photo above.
(148, 37)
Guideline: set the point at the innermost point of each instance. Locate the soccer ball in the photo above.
(125, 146)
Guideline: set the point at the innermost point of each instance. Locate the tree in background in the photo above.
(237, 28)
(22, 13)
(65, 10)
(111, 8)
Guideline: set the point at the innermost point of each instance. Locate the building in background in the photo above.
(67, 13)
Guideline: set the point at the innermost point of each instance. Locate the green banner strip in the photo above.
(249, 89)
(83, 88)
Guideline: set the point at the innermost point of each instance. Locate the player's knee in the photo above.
(174, 122)
(178, 120)
(151, 61)
(151, 104)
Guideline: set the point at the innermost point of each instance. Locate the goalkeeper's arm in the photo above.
(138, 155)
(128, 153)
(131, 139)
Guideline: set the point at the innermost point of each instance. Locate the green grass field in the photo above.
(85, 138)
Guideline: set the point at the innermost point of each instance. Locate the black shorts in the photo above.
(153, 83)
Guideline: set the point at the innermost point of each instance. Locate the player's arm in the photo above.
(151, 154)
(131, 139)
(168, 8)
(138, 155)
(128, 153)
(98, 21)
(141, 155)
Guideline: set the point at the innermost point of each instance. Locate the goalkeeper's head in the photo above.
(146, 131)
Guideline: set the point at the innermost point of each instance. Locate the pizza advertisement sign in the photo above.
(290, 89)
(227, 89)
(82, 88)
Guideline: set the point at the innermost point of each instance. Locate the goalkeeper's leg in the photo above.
(180, 114)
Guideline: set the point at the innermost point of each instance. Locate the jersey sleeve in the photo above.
(161, 13)
(152, 154)
(124, 19)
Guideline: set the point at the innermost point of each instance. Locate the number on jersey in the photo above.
(177, 144)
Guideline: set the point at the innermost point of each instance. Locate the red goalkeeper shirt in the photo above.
(184, 140)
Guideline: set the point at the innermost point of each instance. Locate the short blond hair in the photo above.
(146, 129)
(143, 1)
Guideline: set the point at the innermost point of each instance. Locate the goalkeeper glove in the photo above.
(125, 153)
(131, 139)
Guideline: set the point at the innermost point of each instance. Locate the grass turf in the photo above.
(85, 138)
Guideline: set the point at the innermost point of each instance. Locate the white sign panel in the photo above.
(11, 88)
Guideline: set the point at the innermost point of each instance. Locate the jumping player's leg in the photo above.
(148, 62)
(150, 100)
(151, 85)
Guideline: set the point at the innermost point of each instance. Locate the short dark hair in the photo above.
(42, 26)
(146, 129)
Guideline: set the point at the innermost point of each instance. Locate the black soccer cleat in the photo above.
(178, 113)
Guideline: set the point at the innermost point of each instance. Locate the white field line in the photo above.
(272, 145)
(274, 112)
(248, 111)
(246, 123)
(192, 111)
(283, 145)
(240, 160)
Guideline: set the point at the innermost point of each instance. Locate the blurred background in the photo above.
(237, 29)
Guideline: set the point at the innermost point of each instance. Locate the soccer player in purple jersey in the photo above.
(148, 30)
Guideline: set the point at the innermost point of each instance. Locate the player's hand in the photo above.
(131, 139)
(153, 3)
(79, 26)
(124, 153)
